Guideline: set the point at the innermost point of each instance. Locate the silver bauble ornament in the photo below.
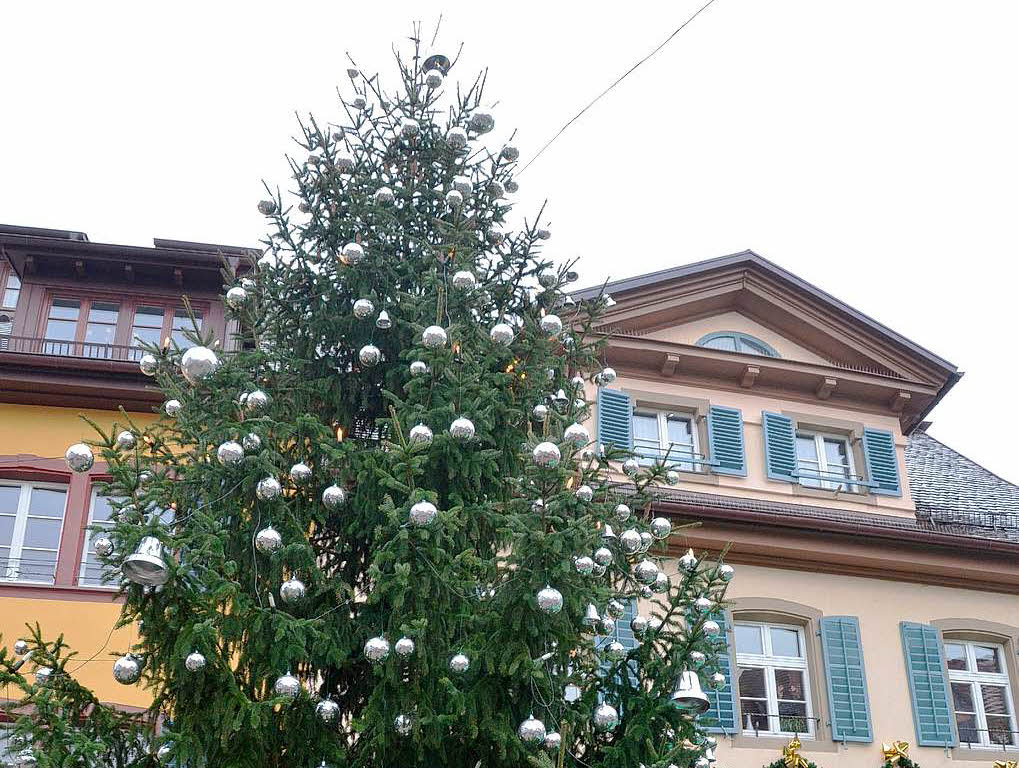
(462, 429)
(464, 280)
(661, 528)
(257, 401)
(266, 207)
(344, 161)
(646, 540)
(423, 513)
(615, 609)
(384, 196)
(300, 473)
(457, 138)
(172, 407)
(645, 571)
(495, 236)
(327, 711)
(268, 488)
(434, 336)
(577, 434)
(409, 127)
(543, 233)
(638, 625)
(546, 454)
(236, 297)
(79, 458)
(672, 477)
(44, 674)
(363, 308)
(622, 512)
(629, 541)
(599, 570)
(584, 493)
(584, 565)
(292, 590)
(376, 650)
(126, 440)
(605, 717)
(496, 189)
(552, 325)
(198, 363)
(404, 647)
(287, 685)
(20, 647)
(482, 120)
(418, 368)
(631, 467)
(126, 670)
(552, 741)
(194, 662)
(608, 375)
(607, 626)
(463, 185)
(550, 600)
(403, 724)
(334, 497)
(726, 572)
(148, 364)
(420, 435)
(710, 628)
(539, 412)
(548, 279)
(251, 442)
(102, 545)
(509, 152)
(645, 592)
(352, 253)
(661, 583)
(615, 651)
(459, 663)
(703, 604)
(688, 562)
(369, 355)
(531, 731)
(268, 540)
(454, 199)
(717, 680)
(603, 556)
(433, 78)
(502, 333)
(697, 659)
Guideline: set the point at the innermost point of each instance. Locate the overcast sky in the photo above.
(869, 146)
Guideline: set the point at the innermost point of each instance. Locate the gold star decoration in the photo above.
(895, 751)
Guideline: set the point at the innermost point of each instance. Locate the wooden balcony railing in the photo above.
(29, 345)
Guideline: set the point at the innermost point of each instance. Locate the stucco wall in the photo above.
(880, 606)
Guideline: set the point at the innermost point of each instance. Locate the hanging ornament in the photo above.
(710, 628)
(688, 562)
(552, 741)
(531, 731)
(257, 401)
(661, 583)
(126, 440)
(482, 120)
(251, 442)
(462, 429)
(376, 650)
(577, 434)
(20, 647)
(599, 570)
(543, 233)
(661, 528)
(230, 453)
(615, 609)
(603, 556)
(605, 717)
(717, 680)
(287, 685)
(703, 604)
(615, 651)
(146, 565)
(79, 458)
(352, 253)
(268, 488)
(434, 336)
(687, 696)
(126, 670)
(607, 533)
(550, 600)
(631, 467)
(292, 590)
(540, 412)
(502, 333)
(102, 545)
(172, 407)
(629, 541)
(383, 196)
(496, 189)
(552, 325)
(334, 497)
(464, 280)
(409, 127)
(622, 512)
(591, 617)
(403, 724)
(423, 513)
(418, 368)
(369, 355)
(420, 435)
(344, 162)
(463, 185)
(646, 540)
(363, 308)
(266, 207)
(584, 493)
(148, 364)
(433, 78)
(645, 571)
(546, 454)
(457, 138)
(454, 199)
(194, 662)
(404, 647)
(726, 572)
(638, 625)
(268, 540)
(672, 477)
(584, 565)
(198, 363)
(608, 375)
(538, 506)
(495, 235)
(300, 473)
(509, 152)
(327, 711)
(459, 663)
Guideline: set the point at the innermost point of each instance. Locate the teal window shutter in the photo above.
(725, 438)
(779, 446)
(615, 419)
(847, 681)
(723, 712)
(925, 669)
(882, 462)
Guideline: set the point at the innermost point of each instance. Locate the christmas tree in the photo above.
(378, 532)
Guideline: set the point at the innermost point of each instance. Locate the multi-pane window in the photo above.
(773, 683)
(81, 328)
(100, 516)
(981, 695)
(824, 461)
(62, 326)
(12, 289)
(737, 342)
(31, 521)
(669, 437)
(152, 324)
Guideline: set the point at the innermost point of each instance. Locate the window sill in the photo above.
(704, 478)
(823, 493)
(776, 743)
(984, 754)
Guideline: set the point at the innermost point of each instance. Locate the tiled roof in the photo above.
(955, 494)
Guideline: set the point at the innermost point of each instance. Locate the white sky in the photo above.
(868, 146)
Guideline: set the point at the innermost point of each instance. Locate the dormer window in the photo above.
(735, 341)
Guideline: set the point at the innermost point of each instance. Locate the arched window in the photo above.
(735, 341)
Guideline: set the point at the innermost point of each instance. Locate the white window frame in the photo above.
(975, 680)
(10, 572)
(87, 543)
(843, 486)
(664, 444)
(769, 662)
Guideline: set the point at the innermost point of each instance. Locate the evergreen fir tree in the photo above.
(385, 528)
